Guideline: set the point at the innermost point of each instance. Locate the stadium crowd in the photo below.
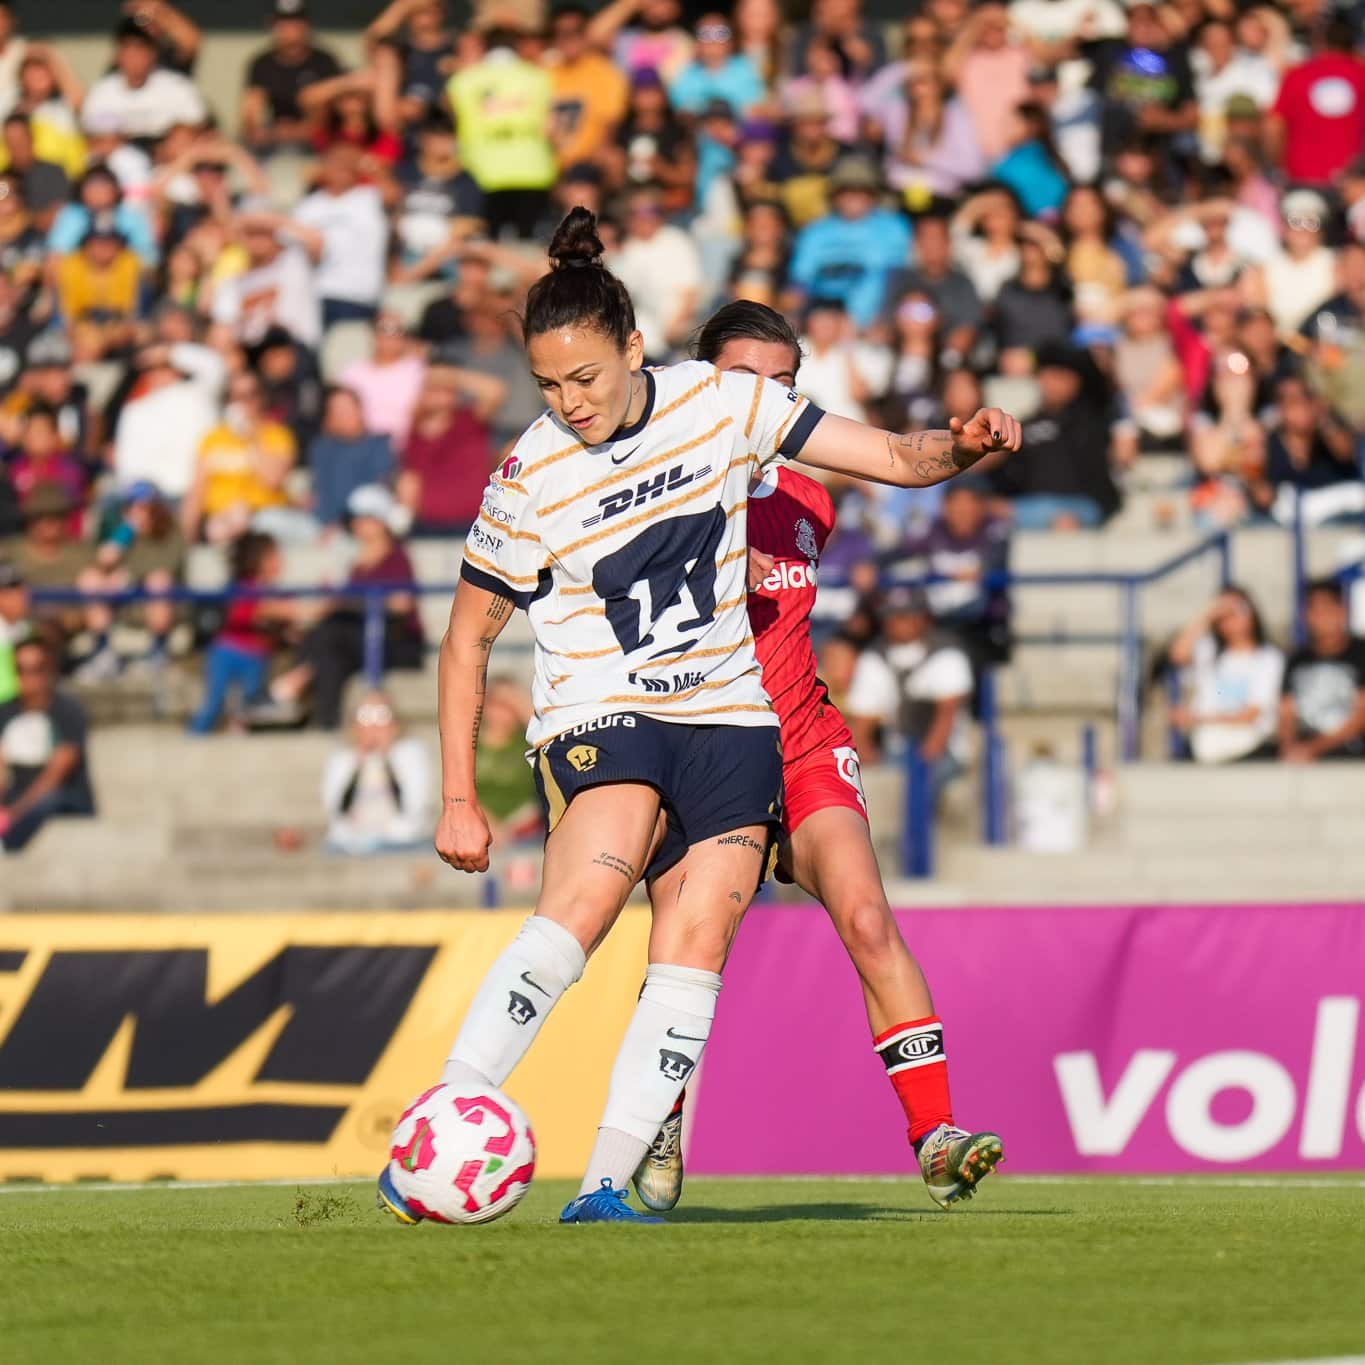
(1139, 227)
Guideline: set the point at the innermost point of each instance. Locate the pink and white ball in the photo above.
(462, 1154)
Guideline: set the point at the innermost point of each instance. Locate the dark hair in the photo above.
(1257, 624)
(42, 412)
(247, 554)
(579, 288)
(1325, 587)
(744, 320)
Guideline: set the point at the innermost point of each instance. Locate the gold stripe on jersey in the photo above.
(753, 407)
(582, 611)
(661, 509)
(554, 798)
(673, 660)
(577, 591)
(580, 654)
(680, 401)
(741, 553)
(512, 580)
(507, 530)
(514, 486)
(638, 469)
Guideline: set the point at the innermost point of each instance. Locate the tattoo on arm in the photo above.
(742, 841)
(605, 859)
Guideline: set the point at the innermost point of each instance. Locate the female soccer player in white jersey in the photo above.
(825, 845)
(618, 524)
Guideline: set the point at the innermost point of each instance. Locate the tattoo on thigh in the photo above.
(736, 897)
(499, 609)
(605, 859)
(741, 841)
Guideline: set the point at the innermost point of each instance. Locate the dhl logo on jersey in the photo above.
(647, 490)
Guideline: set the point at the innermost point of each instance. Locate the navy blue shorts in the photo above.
(712, 778)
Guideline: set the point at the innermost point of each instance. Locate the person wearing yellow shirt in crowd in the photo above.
(590, 92)
(502, 107)
(100, 283)
(242, 467)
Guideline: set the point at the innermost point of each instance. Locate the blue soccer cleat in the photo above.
(392, 1202)
(606, 1205)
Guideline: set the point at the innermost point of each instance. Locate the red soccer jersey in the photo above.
(790, 518)
(1322, 103)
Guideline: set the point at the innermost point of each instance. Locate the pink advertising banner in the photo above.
(1127, 1040)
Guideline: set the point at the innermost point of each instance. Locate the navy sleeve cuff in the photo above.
(491, 583)
(795, 439)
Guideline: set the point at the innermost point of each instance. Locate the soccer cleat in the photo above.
(607, 1205)
(392, 1202)
(952, 1161)
(659, 1177)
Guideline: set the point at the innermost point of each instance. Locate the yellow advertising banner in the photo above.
(238, 1047)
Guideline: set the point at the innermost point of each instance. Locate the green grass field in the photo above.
(770, 1270)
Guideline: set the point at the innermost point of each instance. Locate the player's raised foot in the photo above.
(607, 1205)
(953, 1161)
(392, 1202)
(659, 1177)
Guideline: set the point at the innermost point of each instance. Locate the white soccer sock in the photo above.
(513, 1001)
(661, 1049)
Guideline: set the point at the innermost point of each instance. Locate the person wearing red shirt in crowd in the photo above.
(1317, 125)
(448, 454)
(826, 846)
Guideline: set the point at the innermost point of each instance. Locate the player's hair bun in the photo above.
(576, 242)
(578, 289)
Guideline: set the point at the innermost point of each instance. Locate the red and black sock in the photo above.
(913, 1056)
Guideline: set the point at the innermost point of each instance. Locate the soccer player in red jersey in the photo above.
(826, 846)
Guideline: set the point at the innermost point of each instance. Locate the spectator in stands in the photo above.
(1322, 711)
(41, 458)
(590, 91)
(1066, 483)
(842, 24)
(716, 72)
(349, 218)
(241, 468)
(1033, 310)
(377, 789)
(100, 284)
(1232, 688)
(413, 51)
(173, 405)
(333, 652)
(388, 383)
(658, 263)
(990, 73)
(951, 292)
(643, 35)
(271, 118)
(1335, 337)
(930, 144)
(1144, 79)
(1301, 275)
(43, 772)
(448, 453)
(290, 384)
(142, 549)
(1317, 126)
(99, 198)
(962, 548)
(14, 609)
(502, 106)
(238, 659)
(13, 47)
(1223, 71)
(47, 554)
(512, 806)
(838, 372)
(913, 685)
(653, 146)
(23, 249)
(985, 232)
(345, 456)
(438, 198)
(1147, 373)
(141, 100)
(1312, 460)
(42, 184)
(804, 157)
(850, 253)
(279, 287)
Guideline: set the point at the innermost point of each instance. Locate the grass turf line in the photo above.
(762, 1270)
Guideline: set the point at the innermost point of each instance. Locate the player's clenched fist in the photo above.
(463, 837)
(986, 431)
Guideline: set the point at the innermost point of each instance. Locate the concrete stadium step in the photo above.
(1161, 788)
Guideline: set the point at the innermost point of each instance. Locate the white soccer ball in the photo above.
(462, 1154)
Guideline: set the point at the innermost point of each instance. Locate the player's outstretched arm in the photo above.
(916, 460)
(477, 617)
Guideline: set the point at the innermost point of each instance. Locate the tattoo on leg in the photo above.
(741, 841)
(736, 897)
(605, 859)
(499, 609)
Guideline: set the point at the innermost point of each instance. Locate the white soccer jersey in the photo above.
(630, 557)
